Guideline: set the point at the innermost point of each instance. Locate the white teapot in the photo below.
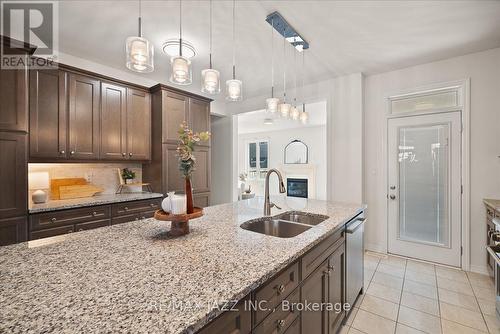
(166, 204)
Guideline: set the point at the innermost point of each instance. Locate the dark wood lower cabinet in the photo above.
(13, 230)
(49, 224)
(237, 321)
(307, 297)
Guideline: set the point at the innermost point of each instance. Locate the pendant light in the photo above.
(234, 87)
(181, 66)
(304, 116)
(284, 107)
(210, 78)
(140, 52)
(272, 102)
(294, 112)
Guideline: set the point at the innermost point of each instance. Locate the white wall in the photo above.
(346, 139)
(483, 69)
(222, 157)
(313, 137)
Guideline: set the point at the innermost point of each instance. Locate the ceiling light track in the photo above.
(279, 23)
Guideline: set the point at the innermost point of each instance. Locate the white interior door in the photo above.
(424, 187)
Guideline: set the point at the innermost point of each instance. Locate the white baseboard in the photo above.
(480, 270)
(378, 248)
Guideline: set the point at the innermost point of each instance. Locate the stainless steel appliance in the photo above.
(355, 250)
(494, 250)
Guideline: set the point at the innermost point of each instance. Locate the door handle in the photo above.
(392, 187)
(393, 197)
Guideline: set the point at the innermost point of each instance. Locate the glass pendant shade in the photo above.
(181, 71)
(294, 113)
(285, 110)
(140, 54)
(210, 81)
(304, 117)
(234, 89)
(272, 104)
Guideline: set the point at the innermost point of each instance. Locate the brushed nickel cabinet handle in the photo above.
(281, 289)
(281, 323)
(125, 208)
(94, 213)
(152, 205)
(62, 152)
(80, 229)
(130, 154)
(124, 154)
(53, 219)
(72, 152)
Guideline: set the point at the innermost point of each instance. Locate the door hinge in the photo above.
(461, 250)
(461, 189)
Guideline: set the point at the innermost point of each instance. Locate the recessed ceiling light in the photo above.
(268, 121)
(171, 48)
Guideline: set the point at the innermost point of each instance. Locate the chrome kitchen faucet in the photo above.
(267, 203)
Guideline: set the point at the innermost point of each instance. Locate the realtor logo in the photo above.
(35, 24)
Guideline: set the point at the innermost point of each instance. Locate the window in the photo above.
(257, 159)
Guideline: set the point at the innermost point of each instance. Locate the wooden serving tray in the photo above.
(180, 223)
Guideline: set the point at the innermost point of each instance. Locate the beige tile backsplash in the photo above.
(101, 175)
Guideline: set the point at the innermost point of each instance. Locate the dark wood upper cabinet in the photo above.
(113, 122)
(13, 174)
(84, 96)
(13, 100)
(199, 117)
(138, 124)
(48, 114)
(175, 111)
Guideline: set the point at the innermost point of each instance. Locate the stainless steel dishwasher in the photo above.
(355, 250)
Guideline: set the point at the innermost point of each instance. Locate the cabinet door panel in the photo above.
(138, 124)
(336, 265)
(83, 117)
(175, 111)
(173, 180)
(13, 174)
(236, 321)
(199, 116)
(14, 100)
(201, 200)
(201, 173)
(315, 290)
(48, 114)
(13, 230)
(113, 117)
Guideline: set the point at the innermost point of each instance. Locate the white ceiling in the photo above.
(253, 122)
(345, 36)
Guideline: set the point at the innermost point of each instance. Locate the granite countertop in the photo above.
(494, 203)
(89, 201)
(133, 278)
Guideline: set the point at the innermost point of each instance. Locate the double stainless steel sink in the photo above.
(285, 225)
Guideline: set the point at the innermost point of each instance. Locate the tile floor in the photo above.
(410, 297)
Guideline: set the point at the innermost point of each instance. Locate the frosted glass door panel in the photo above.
(423, 184)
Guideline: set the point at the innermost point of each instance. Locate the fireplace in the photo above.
(296, 187)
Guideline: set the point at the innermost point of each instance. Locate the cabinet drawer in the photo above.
(321, 252)
(294, 327)
(273, 292)
(92, 225)
(279, 320)
(67, 217)
(124, 219)
(51, 232)
(230, 322)
(128, 208)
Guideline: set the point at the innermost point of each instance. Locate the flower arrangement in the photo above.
(243, 176)
(187, 141)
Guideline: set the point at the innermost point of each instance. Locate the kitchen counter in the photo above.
(53, 205)
(133, 278)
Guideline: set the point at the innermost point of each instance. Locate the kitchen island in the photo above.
(134, 278)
